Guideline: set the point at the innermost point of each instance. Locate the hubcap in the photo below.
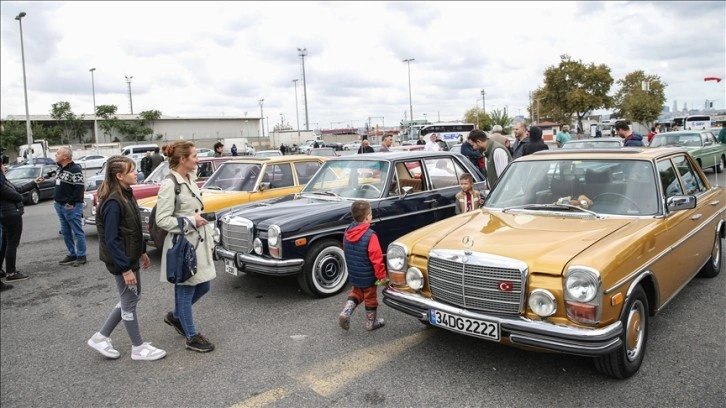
(716, 254)
(329, 270)
(635, 332)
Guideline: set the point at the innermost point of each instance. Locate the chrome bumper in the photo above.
(89, 221)
(257, 264)
(519, 330)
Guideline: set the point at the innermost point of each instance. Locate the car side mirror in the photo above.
(678, 203)
(264, 186)
(707, 143)
(406, 190)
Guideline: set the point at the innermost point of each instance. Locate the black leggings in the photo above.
(12, 230)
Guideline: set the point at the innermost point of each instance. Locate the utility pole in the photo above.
(131, 102)
(484, 101)
(303, 52)
(262, 116)
(297, 111)
(410, 103)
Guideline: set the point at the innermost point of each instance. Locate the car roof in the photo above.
(626, 153)
(278, 159)
(395, 155)
(595, 139)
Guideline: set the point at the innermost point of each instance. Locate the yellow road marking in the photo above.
(263, 399)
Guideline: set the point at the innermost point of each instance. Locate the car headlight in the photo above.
(396, 257)
(542, 303)
(257, 246)
(273, 235)
(581, 285)
(414, 278)
(217, 235)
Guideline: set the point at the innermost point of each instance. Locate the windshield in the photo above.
(676, 139)
(235, 177)
(158, 174)
(26, 173)
(350, 179)
(618, 187)
(593, 143)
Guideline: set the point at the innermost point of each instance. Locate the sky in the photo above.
(214, 59)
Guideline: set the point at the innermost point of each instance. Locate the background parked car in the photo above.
(92, 161)
(27, 173)
(268, 153)
(94, 181)
(323, 151)
(593, 143)
(36, 160)
(701, 144)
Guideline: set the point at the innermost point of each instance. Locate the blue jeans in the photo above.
(185, 296)
(72, 228)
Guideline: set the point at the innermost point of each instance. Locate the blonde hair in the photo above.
(115, 165)
(176, 150)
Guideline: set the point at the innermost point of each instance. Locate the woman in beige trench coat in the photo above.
(187, 205)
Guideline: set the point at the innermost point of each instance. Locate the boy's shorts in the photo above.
(368, 295)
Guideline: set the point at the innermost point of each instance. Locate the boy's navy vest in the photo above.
(360, 268)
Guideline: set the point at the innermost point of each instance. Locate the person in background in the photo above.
(471, 152)
(520, 134)
(146, 163)
(156, 160)
(234, 149)
(467, 199)
(421, 140)
(497, 155)
(365, 147)
(123, 250)
(598, 132)
(535, 141)
(722, 135)
(630, 138)
(386, 143)
(11, 222)
(364, 258)
(218, 150)
(651, 134)
(563, 136)
(431, 145)
(188, 206)
(282, 148)
(68, 196)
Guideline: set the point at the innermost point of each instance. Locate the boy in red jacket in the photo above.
(364, 259)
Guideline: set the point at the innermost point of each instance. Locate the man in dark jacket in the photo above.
(156, 160)
(520, 133)
(68, 198)
(630, 138)
(473, 154)
(146, 164)
(365, 147)
(535, 141)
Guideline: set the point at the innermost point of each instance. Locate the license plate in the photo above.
(473, 327)
(229, 267)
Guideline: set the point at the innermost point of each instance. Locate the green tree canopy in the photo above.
(501, 117)
(640, 98)
(71, 124)
(478, 117)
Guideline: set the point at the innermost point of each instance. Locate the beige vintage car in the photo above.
(573, 252)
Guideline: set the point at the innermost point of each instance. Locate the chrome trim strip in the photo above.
(254, 263)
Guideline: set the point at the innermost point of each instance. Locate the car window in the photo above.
(306, 170)
(350, 179)
(441, 172)
(234, 177)
(204, 169)
(691, 180)
(668, 179)
(279, 175)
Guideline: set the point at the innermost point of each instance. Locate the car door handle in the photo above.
(696, 216)
(715, 203)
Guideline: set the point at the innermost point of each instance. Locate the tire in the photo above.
(324, 273)
(626, 360)
(34, 196)
(719, 167)
(713, 267)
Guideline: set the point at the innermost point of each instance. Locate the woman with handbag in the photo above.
(188, 206)
(122, 249)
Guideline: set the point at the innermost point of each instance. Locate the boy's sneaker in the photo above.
(79, 261)
(17, 276)
(146, 352)
(200, 344)
(68, 260)
(103, 345)
(174, 322)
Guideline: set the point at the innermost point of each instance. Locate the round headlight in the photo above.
(542, 303)
(217, 235)
(396, 257)
(273, 235)
(257, 246)
(414, 278)
(581, 285)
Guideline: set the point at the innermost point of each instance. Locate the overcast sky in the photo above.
(193, 59)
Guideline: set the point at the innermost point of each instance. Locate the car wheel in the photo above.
(719, 167)
(626, 360)
(325, 272)
(34, 197)
(713, 267)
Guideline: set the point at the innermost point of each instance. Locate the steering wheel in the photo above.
(622, 197)
(364, 187)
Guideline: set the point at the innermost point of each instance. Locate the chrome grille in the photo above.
(88, 210)
(477, 281)
(237, 234)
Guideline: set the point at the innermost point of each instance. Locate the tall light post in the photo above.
(25, 89)
(410, 103)
(262, 116)
(303, 52)
(484, 101)
(95, 122)
(131, 102)
(297, 113)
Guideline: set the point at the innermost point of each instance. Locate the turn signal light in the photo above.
(397, 278)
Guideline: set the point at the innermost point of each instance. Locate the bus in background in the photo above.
(451, 133)
(693, 122)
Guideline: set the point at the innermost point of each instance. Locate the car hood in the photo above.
(295, 215)
(545, 243)
(213, 200)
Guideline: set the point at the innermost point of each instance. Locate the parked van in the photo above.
(138, 149)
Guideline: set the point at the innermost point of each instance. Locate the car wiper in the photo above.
(552, 207)
(326, 193)
(213, 188)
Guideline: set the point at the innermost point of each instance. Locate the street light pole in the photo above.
(131, 102)
(25, 89)
(410, 103)
(297, 113)
(95, 122)
(484, 101)
(262, 116)
(303, 52)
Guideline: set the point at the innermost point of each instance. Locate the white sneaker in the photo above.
(103, 345)
(146, 352)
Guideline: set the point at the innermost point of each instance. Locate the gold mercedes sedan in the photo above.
(572, 252)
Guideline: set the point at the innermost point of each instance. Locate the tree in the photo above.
(13, 134)
(71, 124)
(109, 120)
(150, 116)
(573, 88)
(501, 118)
(479, 118)
(640, 98)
